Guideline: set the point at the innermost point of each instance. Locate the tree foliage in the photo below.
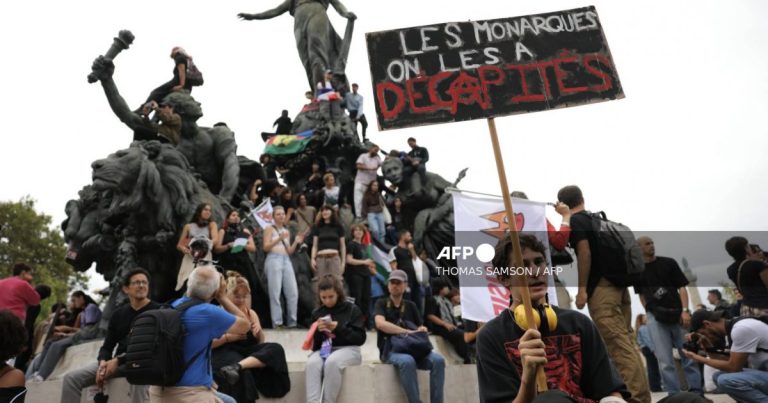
(27, 236)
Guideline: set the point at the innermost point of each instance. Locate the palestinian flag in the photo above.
(284, 144)
(379, 256)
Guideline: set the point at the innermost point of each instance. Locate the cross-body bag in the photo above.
(415, 344)
(738, 276)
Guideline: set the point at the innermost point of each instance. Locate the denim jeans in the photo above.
(406, 367)
(749, 385)
(377, 225)
(665, 337)
(281, 279)
(225, 398)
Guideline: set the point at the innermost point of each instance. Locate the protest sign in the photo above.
(482, 69)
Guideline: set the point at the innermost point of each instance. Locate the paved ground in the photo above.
(714, 398)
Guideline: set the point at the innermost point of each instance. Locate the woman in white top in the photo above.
(280, 275)
(201, 228)
(330, 191)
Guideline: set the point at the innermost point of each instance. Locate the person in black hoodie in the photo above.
(340, 333)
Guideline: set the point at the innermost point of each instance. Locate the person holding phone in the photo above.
(337, 340)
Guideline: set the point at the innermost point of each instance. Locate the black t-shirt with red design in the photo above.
(577, 361)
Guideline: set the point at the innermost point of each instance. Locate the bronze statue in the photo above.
(320, 47)
(211, 151)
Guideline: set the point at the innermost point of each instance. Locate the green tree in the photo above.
(27, 236)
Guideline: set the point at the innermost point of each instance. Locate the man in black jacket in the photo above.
(136, 287)
(416, 161)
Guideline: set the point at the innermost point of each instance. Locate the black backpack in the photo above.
(618, 254)
(155, 348)
(194, 76)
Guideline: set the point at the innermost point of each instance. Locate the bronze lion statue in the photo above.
(132, 213)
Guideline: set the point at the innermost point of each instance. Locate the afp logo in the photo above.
(484, 252)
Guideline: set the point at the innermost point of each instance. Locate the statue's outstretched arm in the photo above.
(281, 9)
(342, 10)
(103, 69)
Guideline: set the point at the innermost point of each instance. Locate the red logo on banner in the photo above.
(502, 226)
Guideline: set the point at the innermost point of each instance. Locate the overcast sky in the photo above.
(685, 150)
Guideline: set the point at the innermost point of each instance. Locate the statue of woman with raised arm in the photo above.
(318, 43)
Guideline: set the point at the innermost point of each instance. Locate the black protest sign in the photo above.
(481, 69)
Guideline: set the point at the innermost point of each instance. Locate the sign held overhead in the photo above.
(481, 69)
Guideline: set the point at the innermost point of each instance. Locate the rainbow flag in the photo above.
(284, 144)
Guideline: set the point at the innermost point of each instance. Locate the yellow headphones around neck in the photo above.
(538, 311)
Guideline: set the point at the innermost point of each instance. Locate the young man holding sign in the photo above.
(568, 345)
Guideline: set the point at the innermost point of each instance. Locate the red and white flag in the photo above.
(482, 221)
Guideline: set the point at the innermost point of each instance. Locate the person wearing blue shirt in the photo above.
(203, 323)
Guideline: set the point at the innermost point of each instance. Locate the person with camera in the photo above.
(398, 316)
(164, 127)
(203, 323)
(136, 287)
(744, 371)
(196, 242)
(665, 298)
(567, 344)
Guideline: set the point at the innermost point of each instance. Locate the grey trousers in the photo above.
(324, 377)
(75, 381)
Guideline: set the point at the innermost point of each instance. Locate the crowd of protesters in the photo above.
(684, 353)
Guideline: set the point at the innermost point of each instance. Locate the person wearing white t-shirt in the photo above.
(744, 374)
(367, 165)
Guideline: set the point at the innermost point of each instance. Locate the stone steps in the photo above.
(371, 381)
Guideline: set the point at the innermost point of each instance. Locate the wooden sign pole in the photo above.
(517, 255)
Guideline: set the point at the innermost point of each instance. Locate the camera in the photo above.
(100, 398)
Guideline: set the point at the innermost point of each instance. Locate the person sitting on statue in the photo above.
(367, 164)
(329, 98)
(201, 229)
(315, 181)
(283, 123)
(168, 130)
(86, 328)
(178, 82)
(416, 161)
(354, 104)
(245, 365)
(373, 210)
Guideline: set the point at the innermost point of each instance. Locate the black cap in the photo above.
(698, 318)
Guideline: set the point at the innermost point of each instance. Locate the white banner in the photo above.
(482, 220)
(263, 214)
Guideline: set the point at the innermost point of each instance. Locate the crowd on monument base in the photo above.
(228, 358)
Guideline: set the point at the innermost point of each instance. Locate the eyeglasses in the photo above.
(139, 282)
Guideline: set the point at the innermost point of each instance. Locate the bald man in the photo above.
(665, 299)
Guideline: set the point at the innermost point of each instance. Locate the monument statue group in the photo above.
(140, 197)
